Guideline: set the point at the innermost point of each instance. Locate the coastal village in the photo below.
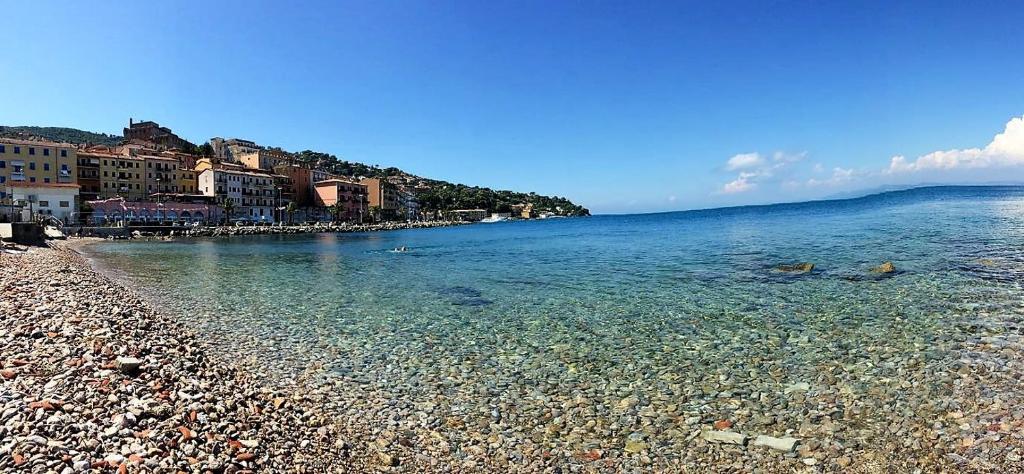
(156, 178)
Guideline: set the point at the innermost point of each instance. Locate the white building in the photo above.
(31, 200)
(253, 195)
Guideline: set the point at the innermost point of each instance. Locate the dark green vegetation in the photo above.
(59, 134)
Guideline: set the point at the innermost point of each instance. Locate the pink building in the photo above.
(116, 210)
(351, 196)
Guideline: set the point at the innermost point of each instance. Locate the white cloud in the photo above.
(741, 184)
(783, 157)
(744, 161)
(839, 176)
(754, 168)
(1006, 149)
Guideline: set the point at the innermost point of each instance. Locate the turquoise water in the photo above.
(577, 334)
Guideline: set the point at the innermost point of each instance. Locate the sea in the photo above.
(634, 334)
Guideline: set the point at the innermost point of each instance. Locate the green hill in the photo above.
(59, 134)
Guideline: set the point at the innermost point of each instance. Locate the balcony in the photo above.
(18, 176)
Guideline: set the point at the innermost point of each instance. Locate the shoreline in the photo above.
(230, 231)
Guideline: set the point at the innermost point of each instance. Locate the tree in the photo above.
(229, 207)
(374, 213)
(290, 209)
(205, 150)
(334, 209)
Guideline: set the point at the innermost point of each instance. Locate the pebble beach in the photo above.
(95, 380)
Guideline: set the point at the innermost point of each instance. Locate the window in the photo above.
(63, 153)
(65, 204)
(104, 162)
(46, 152)
(3, 179)
(17, 150)
(44, 203)
(3, 149)
(31, 165)
(3, 164)
(31, 151)
(31, 180)
(46, 167)
(46, 180)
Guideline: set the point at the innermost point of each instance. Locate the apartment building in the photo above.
(264, 158)
(35, 162)
(32, 200)
(349, 195)
(253, 195)
(382, 195)
(121, 176)
(88, 178)
(161, 174)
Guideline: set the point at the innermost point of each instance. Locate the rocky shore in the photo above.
(96, 380)
(326, 227)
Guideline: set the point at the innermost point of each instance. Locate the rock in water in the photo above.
(778, 444)
(128, 365)
(803, 267)
(886, 267)
(727, 437)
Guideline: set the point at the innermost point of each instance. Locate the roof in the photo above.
(43, 185)
(16, 141)
(336, 181)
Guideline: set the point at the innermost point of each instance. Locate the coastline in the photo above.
(74, 400)
(228, 231)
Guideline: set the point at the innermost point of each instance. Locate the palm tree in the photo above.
(334, 209)
(229, 206)
(290, 209)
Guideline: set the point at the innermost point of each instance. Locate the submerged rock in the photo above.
(803, 267)
(886, 267)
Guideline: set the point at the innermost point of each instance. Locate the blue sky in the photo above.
(618, 106)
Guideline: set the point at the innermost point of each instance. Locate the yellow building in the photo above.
(35, 162)
(122, 176)
(161, 174)
(187, 181)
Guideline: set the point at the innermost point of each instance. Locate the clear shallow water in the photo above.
(578, 334)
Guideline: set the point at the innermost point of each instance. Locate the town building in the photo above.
(383, 196)
(231, 149)
(471, 215)
(264, 158)
(161, 174)
(35, 162)
(119, 212)
(301, 182)
(187, 181)
(161, 138)
(88, 178)
(253, 196)
(350, 196)
(30, 201)
(121, 175)
(408, 205)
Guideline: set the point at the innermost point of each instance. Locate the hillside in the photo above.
(59, 134)
(442, 195)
